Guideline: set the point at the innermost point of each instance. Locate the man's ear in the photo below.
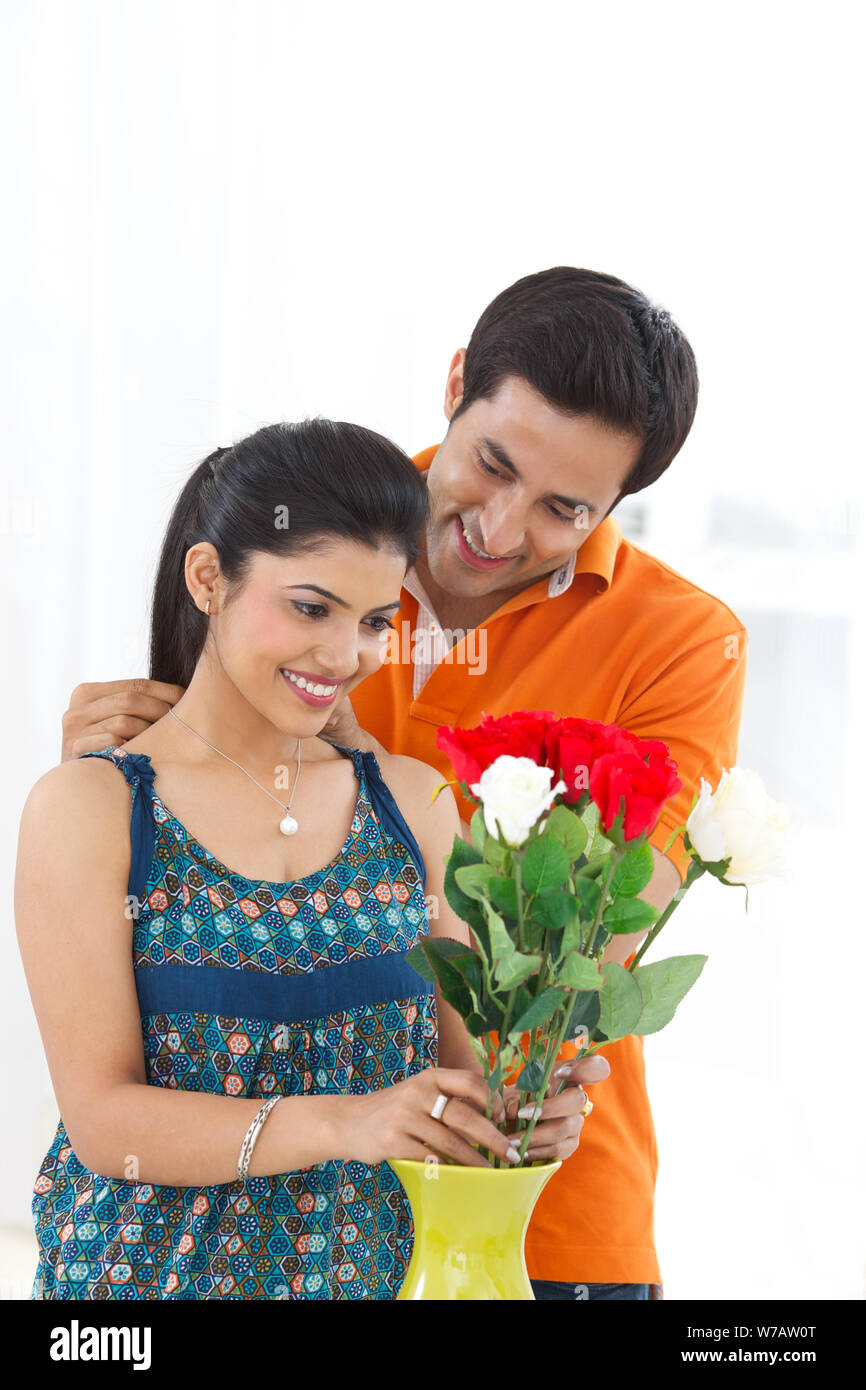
(454, 383)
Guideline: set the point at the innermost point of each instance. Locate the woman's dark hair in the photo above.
(591, 345)
(281, 490)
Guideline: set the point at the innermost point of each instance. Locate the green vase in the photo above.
(469, 1229)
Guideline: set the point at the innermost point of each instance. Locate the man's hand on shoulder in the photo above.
(105, 712)
(343, 728)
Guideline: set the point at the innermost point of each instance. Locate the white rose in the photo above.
(741, 820)
(515, 792)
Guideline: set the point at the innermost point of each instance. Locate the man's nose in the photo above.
(503, 526)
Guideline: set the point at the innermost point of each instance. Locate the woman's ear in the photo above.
(202, 571)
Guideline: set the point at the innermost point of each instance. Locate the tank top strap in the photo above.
(139, 773)
(390, 816)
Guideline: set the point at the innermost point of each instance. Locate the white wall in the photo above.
(218, 215)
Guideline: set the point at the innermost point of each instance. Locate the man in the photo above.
(574, 391)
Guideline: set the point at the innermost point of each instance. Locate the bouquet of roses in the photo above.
(559, 855)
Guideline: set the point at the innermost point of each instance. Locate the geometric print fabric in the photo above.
(337, 1230)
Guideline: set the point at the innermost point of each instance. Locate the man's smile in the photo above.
(473, 555)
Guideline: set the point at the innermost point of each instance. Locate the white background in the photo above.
(217, 215)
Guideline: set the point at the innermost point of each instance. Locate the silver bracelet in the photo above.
(252, 1135)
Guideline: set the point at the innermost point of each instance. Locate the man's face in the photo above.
(520, 482)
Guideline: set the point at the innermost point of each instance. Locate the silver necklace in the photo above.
(288, 825)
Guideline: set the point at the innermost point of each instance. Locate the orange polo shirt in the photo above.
(628, 641)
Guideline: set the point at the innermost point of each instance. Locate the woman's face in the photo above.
(302, 631)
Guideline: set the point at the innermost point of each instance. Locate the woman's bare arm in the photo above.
(75, 939)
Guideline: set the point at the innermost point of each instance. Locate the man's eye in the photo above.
(562, 516)
(383, 621)
(494, 472)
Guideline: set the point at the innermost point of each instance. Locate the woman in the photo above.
(226, 922)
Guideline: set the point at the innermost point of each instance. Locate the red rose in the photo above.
(644, 784)
(572, 748)
(520, 735)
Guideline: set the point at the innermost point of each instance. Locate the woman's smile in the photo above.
(309, 689)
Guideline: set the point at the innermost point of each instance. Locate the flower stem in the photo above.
(538, 1097)
(612, 860)
(694, 872)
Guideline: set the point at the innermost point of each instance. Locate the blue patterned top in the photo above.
(250, 988)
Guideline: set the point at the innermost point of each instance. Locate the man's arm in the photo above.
(105, 712)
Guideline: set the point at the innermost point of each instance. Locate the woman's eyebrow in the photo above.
(326, 593)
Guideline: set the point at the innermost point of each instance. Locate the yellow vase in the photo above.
(469, 1229)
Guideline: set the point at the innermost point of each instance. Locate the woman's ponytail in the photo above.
(178, 628)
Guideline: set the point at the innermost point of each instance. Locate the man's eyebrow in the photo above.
(326, 593)
(502, 458)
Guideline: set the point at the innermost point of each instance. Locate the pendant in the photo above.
(288, 824)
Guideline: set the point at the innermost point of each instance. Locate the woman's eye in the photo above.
(320, 610)
(310, 610)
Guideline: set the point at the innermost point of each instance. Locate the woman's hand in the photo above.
(557, 1132)
(397, 1122)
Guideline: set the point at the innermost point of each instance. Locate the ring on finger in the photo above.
(438, 1106)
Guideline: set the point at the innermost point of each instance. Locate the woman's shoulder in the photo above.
(421, 791)
(82, 796)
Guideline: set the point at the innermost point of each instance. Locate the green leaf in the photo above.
(462, 853)
(546, 866)
(589, 896)
(514, 969)
(419, 957)
(571, 936)
(468, 965)
(501, 944)
(454, 989)
(579, 973)
(555, 911)
(568, 830)
(532, 1076)
(478, 830)
(539, 1011)
(585, 1012)
(662, 985)
(503, 894)
(597, 843)
(596, 867)
(633, 872)
(494, 852)
(629, 914)
(621, 1002)
(486, 1021)
(472, 879)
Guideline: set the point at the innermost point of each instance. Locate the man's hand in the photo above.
(343, 727)
(112, 712)
(557, 1132)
